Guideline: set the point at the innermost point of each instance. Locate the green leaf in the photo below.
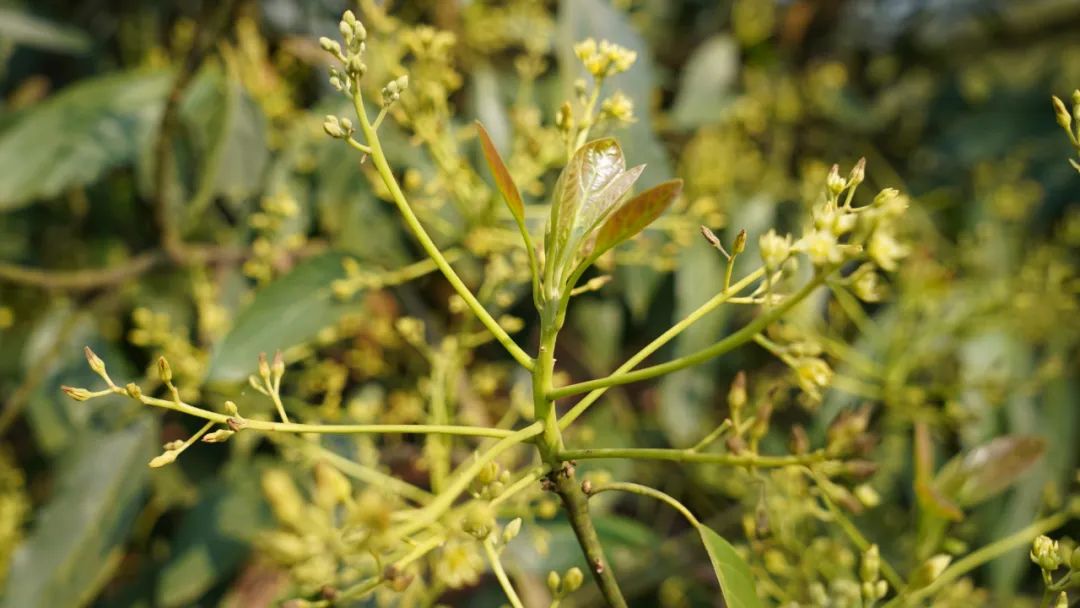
(989, 469)
(77, 135)
(587, 192)
(214, 537)
(25, 29)
(503, 181)
(635, 214)
(706, 83)
(286, 313)
(78, 537)
(732, 572)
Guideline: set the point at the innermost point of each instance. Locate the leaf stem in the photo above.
(387, 174)
(642, 490)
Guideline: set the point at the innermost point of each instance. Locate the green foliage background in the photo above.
(748, 101)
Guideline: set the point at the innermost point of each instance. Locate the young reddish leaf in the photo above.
(503, 181)
(988, 469)
(635, 214)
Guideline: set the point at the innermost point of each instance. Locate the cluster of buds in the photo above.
(351, 55)
(841, 232)
(569, 582)
(604, 59)
(1066, 118)
(873, 588)
(393, 90)
(490, 481)
(338, 128)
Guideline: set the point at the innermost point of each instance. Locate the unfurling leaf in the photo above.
(503, 181)
(988, 469)
(634, 215)
(587, 193)
(736, 582)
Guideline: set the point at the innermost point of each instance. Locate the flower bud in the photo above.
(737, 394)
(858, 173)
(1062, 600)
(553, 581)
(1064, 118)
(278, 366)
(929, 571)
(870, 568)
(95, 361)
(168, 457)
(218, 436)
(264, 367)
(133, 391)
(740, 243)
(78, 394)
(479, 520)
(332, 127)
(834, 182)
(330, 46)
(1046, 553)
(231, 409)
(572, 580)
(331, 487)
(511, 530)
(164, 371)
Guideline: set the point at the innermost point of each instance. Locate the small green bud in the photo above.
(1046, 553)
(264, 367)
(355, 66)
(870, 568)
(572, 580)
(488, 474)
(402, 83)
(168, 457)
(511, 530)
(929, 571)
(133, 391)
(1076, 97)
(553, 581)
(231, 409)
(330, 46)
(174, 445)
(479, 520)
(740, 243)
(858, 173)
(78, 394)
(1062, 600)
(164, 371)
(277, 368)
(331, 487)
(564, 117)
(1064, 118)
(737, 393)
(834, 182)
(218, 436)
(95, 361)
(348, 17)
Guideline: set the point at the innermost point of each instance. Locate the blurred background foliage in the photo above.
(749, 101)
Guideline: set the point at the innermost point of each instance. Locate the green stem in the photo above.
(640, 490)
(732, 341)
(576, 505)
(500, 573)
(328, 429)
(378, 157)
(691, 456)
(717, 300)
